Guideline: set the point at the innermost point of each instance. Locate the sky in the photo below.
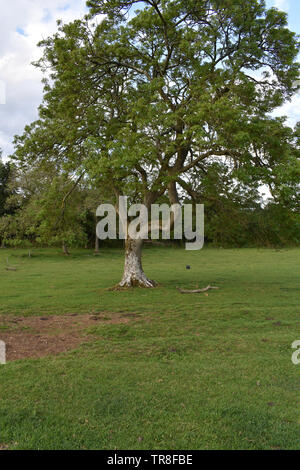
(23, 24)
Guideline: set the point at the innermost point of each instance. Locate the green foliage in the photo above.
(228, 225)
(140, 100)
(236, 213)
(53, 210)
(6, 192)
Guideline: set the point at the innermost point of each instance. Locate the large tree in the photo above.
(144, 99)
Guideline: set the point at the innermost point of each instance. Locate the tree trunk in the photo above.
(134, 275)
(96, 244)
(65, 249)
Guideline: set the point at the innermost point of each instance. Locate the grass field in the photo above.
(186, 372)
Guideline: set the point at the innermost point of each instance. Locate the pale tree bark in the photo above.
(134, 275)
(65, 249)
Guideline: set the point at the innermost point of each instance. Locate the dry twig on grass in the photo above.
(196, 291)
(8, 267)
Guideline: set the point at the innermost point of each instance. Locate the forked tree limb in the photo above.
(196, 291)
(64, 201)
(65, 198)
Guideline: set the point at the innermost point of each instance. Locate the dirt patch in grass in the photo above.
(33, 337)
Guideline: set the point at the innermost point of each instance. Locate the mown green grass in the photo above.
(188, 372)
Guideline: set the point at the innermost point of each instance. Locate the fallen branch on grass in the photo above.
(196, 291)
(8, 267)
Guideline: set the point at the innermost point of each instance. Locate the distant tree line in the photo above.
(43, 206)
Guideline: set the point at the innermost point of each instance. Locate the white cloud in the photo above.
(282, 4)
(23, 24)
(291, 110)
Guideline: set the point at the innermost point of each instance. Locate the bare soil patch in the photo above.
(33, 337)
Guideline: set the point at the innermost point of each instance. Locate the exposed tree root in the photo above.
(134, 275)
(142, 283)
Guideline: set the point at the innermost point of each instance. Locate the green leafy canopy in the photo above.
(141, 99)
